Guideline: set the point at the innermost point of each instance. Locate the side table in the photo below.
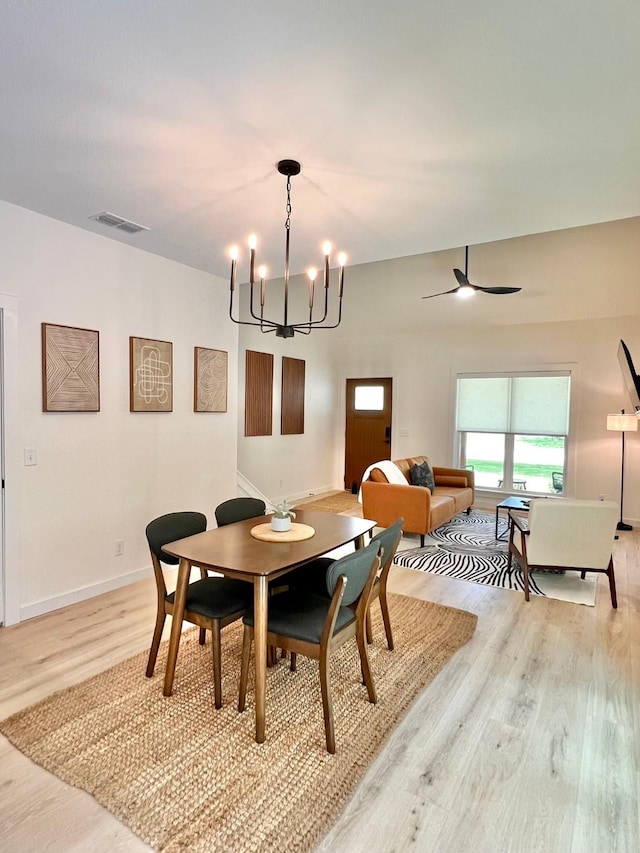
(507, 504)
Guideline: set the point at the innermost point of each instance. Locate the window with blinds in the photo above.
(513, 430)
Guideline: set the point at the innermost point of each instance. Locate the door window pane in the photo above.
(485, 454)
(369, 398)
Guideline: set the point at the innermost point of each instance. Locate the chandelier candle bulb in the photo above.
(233, 252)
(253, 242)
(262, 272)
(312, 273)
(342, 260)
(326, 248)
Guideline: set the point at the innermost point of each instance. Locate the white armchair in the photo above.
(565, 534)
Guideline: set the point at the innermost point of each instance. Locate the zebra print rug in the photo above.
(466, 548)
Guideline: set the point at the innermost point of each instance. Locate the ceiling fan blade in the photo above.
(498, 290)
(462, 278)
(444, 293)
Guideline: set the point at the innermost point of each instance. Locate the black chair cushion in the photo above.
(170, 528)
(238, 509)
(216, 598)
(356, 567)
(301, 616)
(312, 577)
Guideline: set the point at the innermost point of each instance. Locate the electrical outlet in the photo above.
(119, 548)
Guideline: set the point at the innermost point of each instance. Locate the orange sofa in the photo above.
(422, 511)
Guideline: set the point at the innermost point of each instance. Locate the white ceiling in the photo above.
(420, 125)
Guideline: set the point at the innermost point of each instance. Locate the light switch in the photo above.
(30, 456)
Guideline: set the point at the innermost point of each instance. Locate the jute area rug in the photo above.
(184, 776)
(340, 502)
(466, 548)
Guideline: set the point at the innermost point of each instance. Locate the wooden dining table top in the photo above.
(232, 550)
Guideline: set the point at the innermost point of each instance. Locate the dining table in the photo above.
(234, 552)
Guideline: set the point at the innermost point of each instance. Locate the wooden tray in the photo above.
(297, 533)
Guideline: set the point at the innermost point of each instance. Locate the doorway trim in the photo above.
(9, 447)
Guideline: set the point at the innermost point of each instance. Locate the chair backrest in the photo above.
(389, 540)
(356, 568)
(566, 532)
(169, 528)
(239, 509)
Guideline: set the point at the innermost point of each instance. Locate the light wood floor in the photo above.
(529, 740)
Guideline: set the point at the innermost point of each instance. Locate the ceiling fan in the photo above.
(465, 288)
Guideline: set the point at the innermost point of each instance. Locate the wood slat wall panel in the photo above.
(292, 413)
(258, 393)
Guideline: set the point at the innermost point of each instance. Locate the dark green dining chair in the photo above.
(316, 625)
(212, 603)
(311, 577)
(239, 509)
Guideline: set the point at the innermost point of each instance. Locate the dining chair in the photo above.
(315, 626)
(563, 534)
(312, 576)
(212, 602)
(238, 509)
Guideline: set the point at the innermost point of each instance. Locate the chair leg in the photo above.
(244, 667)
(422, 540)
(327, 705)
(155, 643)
(364, 666)
(217, 663)
(368, 626)
(384, 606)
(525, 577)
(612, 585)
(583, 575)
(202, 636)
(294, 661)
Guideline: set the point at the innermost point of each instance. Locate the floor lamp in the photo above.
(622, 423)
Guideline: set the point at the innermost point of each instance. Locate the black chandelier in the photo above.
(285, 329)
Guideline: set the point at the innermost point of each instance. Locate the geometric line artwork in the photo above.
(150, 375)
(210, 380)
(70, 369)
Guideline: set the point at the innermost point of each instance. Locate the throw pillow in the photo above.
(422, 475)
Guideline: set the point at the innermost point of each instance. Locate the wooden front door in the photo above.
(368, 427)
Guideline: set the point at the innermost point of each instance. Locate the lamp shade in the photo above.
(622, 423)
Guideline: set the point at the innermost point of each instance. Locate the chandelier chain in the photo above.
(287, 222)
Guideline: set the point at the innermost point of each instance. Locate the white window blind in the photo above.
(527, 405)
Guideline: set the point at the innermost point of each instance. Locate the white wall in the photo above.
(102, 476)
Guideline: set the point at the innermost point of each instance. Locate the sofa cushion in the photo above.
(462, 498)
(422, 475)
(448, 480)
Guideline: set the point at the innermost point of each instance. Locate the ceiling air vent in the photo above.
(118, 222)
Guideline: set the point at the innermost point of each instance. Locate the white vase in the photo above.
(280, 524)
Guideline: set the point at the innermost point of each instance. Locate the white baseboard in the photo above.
(46, 605)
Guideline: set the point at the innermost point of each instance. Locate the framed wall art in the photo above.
(209, 380)
(70, 369)
(150, 375)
